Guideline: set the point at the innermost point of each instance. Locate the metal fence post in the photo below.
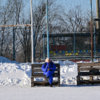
(43, 45)
(94, 42)
(91, 32)
(13, 44)
(47, 28)
(74, 45)
(34, 43)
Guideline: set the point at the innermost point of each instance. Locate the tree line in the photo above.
(59, 22)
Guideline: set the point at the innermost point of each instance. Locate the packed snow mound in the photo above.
(5, 60)
(68, 72)
(14, 74)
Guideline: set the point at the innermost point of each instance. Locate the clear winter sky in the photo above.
(66, 4)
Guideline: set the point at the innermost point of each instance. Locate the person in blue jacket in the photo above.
(48, 69)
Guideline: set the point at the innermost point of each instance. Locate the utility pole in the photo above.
(74, 44)
(32, 41)
(91, 32)
(98, 13)
(47, 21)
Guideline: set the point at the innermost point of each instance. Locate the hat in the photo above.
(47, 60)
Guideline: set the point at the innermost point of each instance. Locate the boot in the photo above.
(50, 85)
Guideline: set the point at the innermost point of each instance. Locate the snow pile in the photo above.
(5, 60)
(68, 72)
(14, 73)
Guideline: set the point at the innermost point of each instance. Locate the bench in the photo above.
(84, 70)
(38, 73)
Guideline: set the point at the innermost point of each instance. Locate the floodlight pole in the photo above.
(91, 33)
(98, 13)
(32, 41)
(47, 24)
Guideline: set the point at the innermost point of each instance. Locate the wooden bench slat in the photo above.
(86, 74)
(41, 74)
(39, 70)
(87, 81)
(83, 73)
(89, 68)
(88, 64)
(40, 65)
(46, 83)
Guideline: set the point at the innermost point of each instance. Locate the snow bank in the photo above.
(19, 74)
(14, 74)
(5, 60)
(68, 72)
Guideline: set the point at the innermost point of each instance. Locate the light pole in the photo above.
(47, 24)
(98, 13)
(91, 33)
(32, 41)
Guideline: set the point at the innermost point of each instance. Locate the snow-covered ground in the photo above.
(15, 83)
(48, 93)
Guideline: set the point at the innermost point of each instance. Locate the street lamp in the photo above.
(47, 24)
(91, 33)
(32, 41)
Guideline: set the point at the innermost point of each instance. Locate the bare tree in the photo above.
(10, 15)
(72, 21)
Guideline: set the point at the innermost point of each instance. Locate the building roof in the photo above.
(67, 34)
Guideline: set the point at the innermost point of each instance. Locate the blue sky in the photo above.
(85, 4)
(66, 4)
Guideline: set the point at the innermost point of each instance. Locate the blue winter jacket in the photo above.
(49, 65)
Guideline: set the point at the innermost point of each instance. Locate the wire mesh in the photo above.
(71, 37)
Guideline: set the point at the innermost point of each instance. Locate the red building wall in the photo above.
(58, 47)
